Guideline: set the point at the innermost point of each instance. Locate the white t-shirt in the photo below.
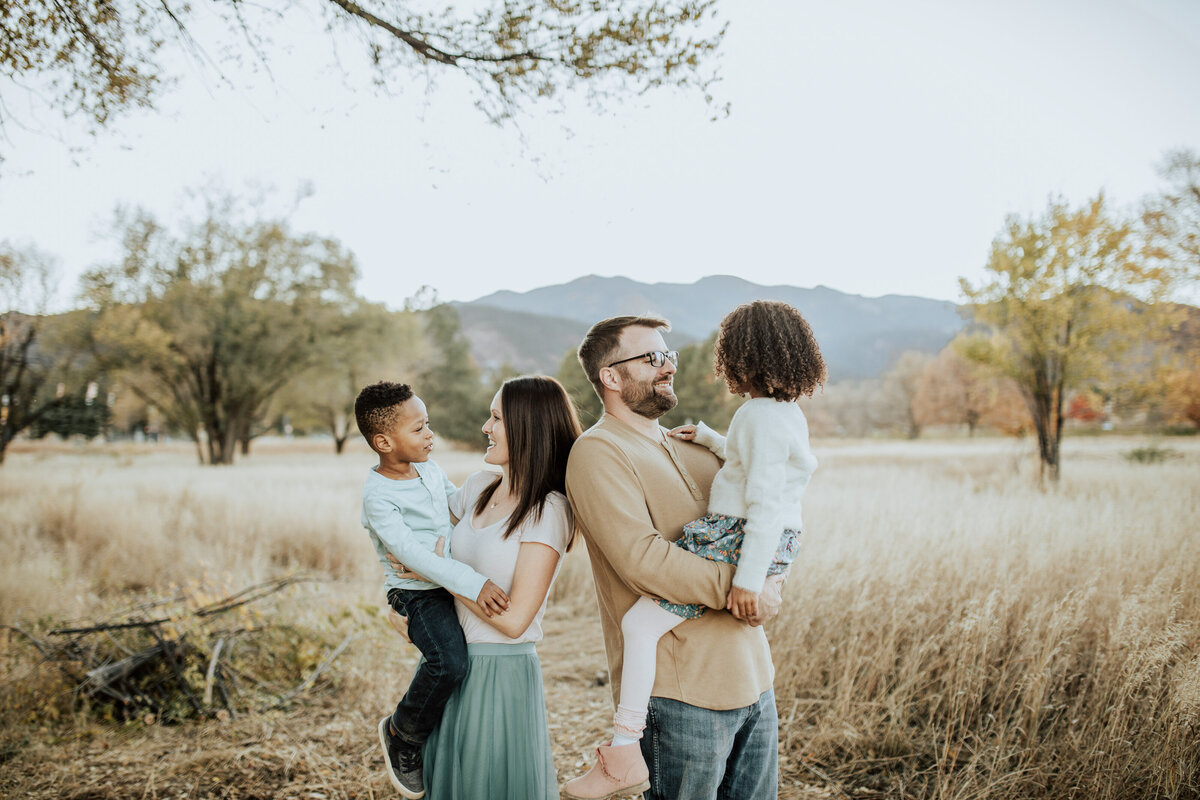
(488, 553)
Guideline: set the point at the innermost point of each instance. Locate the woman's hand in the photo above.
(531, 583)
(743, 603)
(399, 622)
(402, 571)
(685, 432)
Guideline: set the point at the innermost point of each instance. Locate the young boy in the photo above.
(405, 511)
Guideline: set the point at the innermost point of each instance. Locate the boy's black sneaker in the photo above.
(403, 763)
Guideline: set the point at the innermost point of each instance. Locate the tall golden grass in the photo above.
(950, 631)
(953, 632)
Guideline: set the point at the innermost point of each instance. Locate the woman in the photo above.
(514, 528)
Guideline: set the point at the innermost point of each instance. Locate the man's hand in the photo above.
(742, 603)
(399, 623)
(492, 599)
(770, 600)
(685, 432)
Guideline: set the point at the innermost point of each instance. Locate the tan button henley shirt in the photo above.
(631, 497)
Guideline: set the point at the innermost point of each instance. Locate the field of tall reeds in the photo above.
(951, 630)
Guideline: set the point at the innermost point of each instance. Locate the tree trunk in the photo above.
(199, 447)
(221, 441)
(972, 421)
(1040, 404)
(1047, 421)
(228, 443)
(339, 426)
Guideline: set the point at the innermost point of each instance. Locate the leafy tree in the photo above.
(956, 391)
(209, 324)
(897, 402)
(1066, 298)
(367, 344)
(449, 381)
(32, 357)
(1181, 375)
(1183, 395)
(1086, 407)
(100, 58)
(1172, 219)
(848, 407)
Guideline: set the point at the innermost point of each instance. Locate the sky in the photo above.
(872, 147)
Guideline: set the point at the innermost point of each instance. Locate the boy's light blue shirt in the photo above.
(406, 518)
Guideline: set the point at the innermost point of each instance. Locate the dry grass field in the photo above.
(950, 631)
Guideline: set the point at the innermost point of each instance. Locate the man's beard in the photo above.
(644, 399)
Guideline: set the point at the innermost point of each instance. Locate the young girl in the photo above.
(767, 350)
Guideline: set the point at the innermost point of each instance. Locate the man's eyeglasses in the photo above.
(657, 358)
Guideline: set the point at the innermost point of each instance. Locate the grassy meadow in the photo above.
(950, 630)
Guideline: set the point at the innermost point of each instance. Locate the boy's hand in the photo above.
(439, 550)
(685, 432)
(492, 599)
(743, 604)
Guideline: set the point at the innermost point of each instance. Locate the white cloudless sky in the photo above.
(874, 147)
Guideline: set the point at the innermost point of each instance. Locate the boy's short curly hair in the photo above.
(378, 405)
(767, 346)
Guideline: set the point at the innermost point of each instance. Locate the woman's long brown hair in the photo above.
(540, 425)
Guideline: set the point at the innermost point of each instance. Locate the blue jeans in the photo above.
(699, 754)
(434, 629)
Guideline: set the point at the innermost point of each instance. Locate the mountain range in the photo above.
(860, 336)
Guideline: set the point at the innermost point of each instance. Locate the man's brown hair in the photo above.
(599, 347)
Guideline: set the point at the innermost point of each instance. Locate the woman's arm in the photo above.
(536, 563)
(531, 583)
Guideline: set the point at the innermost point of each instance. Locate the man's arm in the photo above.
(388, 523)
(610, 506)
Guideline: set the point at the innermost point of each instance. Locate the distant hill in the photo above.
(523, 340)
(859, 336)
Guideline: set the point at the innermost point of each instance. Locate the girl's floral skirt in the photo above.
(718, 537)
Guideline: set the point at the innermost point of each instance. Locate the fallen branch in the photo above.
(211, 674)
(181, 664)
(227, 604)
(311, 679)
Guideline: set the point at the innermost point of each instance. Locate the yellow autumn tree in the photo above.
(1068, 299)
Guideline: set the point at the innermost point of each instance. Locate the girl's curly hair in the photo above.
(767, 346)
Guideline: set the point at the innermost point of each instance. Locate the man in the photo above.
(712, 729)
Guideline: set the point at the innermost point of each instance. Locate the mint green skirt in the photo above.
(492, 742)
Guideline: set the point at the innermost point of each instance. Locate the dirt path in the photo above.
(319, 752)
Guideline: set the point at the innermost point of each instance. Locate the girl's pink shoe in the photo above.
(618, 772)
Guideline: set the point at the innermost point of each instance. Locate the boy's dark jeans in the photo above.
(434, 629)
